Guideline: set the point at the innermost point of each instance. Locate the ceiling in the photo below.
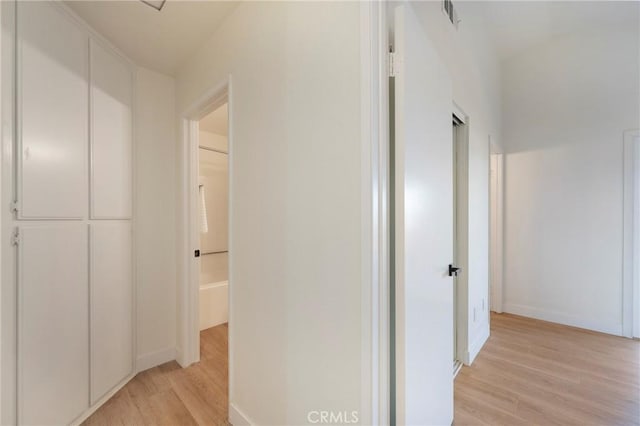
(163, 40)
(517, 25)
(216, 121)
(159, 40)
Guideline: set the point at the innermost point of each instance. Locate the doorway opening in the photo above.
(460, 142)
(213, 218)
(213, 226)
(205, 308)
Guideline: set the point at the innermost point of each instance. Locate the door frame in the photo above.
(496, 228)
(375, 208)
(461, 243)
(188, 339)
(631, 235)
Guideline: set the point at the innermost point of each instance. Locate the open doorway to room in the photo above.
(213, 226)
(206, 310)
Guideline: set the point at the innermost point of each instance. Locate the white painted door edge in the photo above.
(375, 351)
(631, 235)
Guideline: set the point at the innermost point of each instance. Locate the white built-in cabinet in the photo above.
(53, 114)
(73, 189)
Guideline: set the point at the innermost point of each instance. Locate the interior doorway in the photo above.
(459, 122)
(205, 310)
(213, 218)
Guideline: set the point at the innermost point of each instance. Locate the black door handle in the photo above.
(453, 271)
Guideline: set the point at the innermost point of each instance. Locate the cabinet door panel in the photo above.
(53, 332)
(111, 87)
(52, 113)
(111, 306)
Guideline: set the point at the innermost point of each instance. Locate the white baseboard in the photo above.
(150, 360)
(477, 344)
(99, 403)
(560, 318)
(237, 417)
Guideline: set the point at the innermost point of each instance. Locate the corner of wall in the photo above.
(153, 359)
(237, 417)
(482, 335)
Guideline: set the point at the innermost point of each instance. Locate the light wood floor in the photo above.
(537, 373)
(529, 373)
(170, 395)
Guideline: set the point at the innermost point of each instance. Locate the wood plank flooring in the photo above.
(538, 373)
(169, 395)
(529, 373)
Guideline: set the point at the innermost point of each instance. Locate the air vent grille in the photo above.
(450, 11)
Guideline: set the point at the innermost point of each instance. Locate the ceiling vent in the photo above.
(156, 4)
(450, 11)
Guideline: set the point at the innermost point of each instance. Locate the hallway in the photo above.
(170, 395)
(536, 372)
(530, 372)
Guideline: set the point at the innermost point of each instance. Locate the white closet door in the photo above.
(111, 306)
(52, 113)
(111, 100)
(53, 331)
(424, 228)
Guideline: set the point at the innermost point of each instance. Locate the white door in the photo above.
(53, 93)
(111, 305)
(111, 128)
(53, 331)
(423, 227)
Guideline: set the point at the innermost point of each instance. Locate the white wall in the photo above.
(566, 105)
(475, 72)
(155, 223)
(213, 141)
(295, 242)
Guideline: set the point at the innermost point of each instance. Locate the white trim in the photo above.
(561, 318)
(457, 366)
(8, 330)
(496, 230)
(476, 346)
(375, 397)
(636, 247)
(237, 417)
(461, 170)
(631, 235)
(152, 359)
(87, 413)
(382, 403)
(459, 113)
